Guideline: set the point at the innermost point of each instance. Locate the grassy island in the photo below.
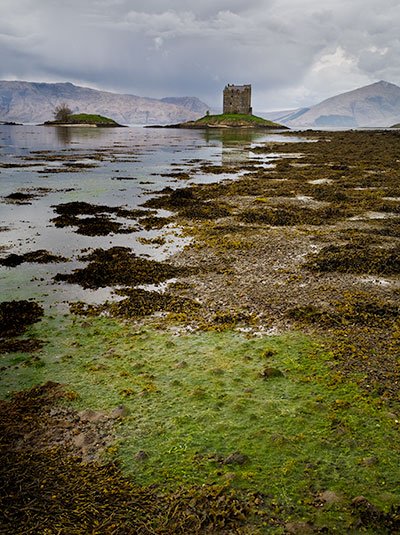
(84, 119)
(396, 125)
(226, 120)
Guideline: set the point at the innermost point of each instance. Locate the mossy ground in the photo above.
(196, 399)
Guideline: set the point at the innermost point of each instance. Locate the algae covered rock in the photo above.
(269, 372)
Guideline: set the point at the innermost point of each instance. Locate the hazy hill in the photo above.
(373, 105)
(278, 115)
(30, 102)
(191, 103)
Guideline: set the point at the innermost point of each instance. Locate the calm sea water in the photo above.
(128, 167)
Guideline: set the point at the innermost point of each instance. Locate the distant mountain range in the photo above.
(30, 102)
(375, 105)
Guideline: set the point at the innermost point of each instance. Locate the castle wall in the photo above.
(237, 99)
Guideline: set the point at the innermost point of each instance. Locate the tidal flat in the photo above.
(200, 332)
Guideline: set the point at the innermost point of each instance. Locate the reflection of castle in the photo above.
(237, 99)
(236, 143)
(235, 146)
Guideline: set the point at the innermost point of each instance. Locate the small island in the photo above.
(63, 116)
(237, 113)
(396, 125)
(9, 123)
(230, 120)
(84, 119)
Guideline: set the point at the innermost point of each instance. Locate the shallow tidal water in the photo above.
(118, 167)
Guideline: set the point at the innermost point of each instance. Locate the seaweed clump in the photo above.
(29, 345)
(353, 258)
(357, 308)
(363, 338)
(119, 266)
(48, 492)
(99, 224)
(92, 226)
(186, 204)
(40, 257)
(19, 197)
(369, 516)
(139, 303)
(291, 216)
(16, 316)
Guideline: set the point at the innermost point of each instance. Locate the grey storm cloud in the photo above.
(293, 52)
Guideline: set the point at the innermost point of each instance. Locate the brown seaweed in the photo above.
(28, 345)
(139, 303)
(16, 316)
(40, 256)
(119, 265)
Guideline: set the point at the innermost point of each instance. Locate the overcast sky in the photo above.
(293, 52)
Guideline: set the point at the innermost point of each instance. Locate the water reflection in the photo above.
(135, 163)
(235, 143)
(234, 136)
(63, 134)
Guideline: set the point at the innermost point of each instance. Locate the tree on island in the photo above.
(62, 112)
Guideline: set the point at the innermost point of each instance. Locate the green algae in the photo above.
(49, 491)
(303, 433)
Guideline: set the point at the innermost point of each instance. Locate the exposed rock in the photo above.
(298, 528)
(85, 439)
(270, 372)
(119, 412)
(236, 458)
(330, 497)
(141, 455)
(89, 415)
(181, 364)
(361, 502)
(229, 476)
(369, 461)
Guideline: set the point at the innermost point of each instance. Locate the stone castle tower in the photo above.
(237, 99)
